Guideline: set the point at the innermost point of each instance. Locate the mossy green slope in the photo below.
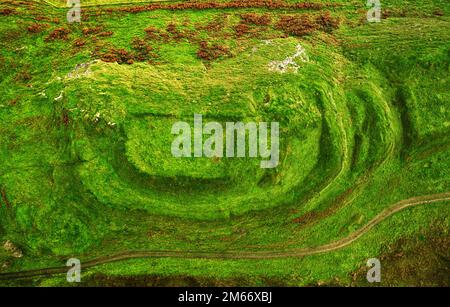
(86, 168)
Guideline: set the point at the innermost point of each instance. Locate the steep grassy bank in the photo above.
(85, 162)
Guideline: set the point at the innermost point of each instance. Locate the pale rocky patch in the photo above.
(12, 249)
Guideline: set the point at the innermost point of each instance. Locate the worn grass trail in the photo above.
(443, 198)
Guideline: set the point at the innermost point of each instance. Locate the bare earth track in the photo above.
(301, 252)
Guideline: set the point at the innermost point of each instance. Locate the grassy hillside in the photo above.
(86, 110)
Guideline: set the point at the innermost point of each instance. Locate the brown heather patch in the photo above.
(7, 12)
(236, 4)
(90, 31)
(141, 52)
(305, 24)
(58, 34)
(175, 33)
(256, 19)
(213, 26)
(47, 19)
(120, 56)
(37, 27)
(172, 33)
(5, 197)
(152, 33)
(105, 33)
(79, 42)
(192, 5)
(242, 29)
(298, 25)
(212, 52)
(326, 22)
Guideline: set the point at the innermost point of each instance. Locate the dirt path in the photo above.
(300, 252)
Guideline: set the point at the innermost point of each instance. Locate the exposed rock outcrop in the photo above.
(12, 249)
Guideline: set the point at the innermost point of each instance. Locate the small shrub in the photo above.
(255, 19)
(208, 53)
(79, 42)
(212, 27)
(47, 19)
(90, 31)
(7, 12)
(120, 56)
(326, 22)
(105, 33)
(152, 32)
(143, 51)
(242, 29)
(37, 27)
(59, 34)
(177, 34)
(298, 25)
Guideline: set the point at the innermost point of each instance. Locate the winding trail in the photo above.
(299, 252)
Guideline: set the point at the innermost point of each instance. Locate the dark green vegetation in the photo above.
(85, 163)
(420, 260)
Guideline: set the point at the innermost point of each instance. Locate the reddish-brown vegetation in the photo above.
(250, 24)
(256, 19)
(175, 33)
(7, 12)
(326, 22)
(59, 34)
(105, 33)
(46, 18)
(215, 26)
(5, 198)
(152, 32)
(211, 52)
(242, 29)
(99, 31)
(304, 24)
(37, 27)
(65, 117)
(120, 56)
(94, 30)
(236, 4)
(79, 42)
(299, 25)
(143, 51)
(172, 33)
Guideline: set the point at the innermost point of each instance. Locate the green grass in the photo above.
(364, 124)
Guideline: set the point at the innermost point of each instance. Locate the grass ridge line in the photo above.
(336, 245)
